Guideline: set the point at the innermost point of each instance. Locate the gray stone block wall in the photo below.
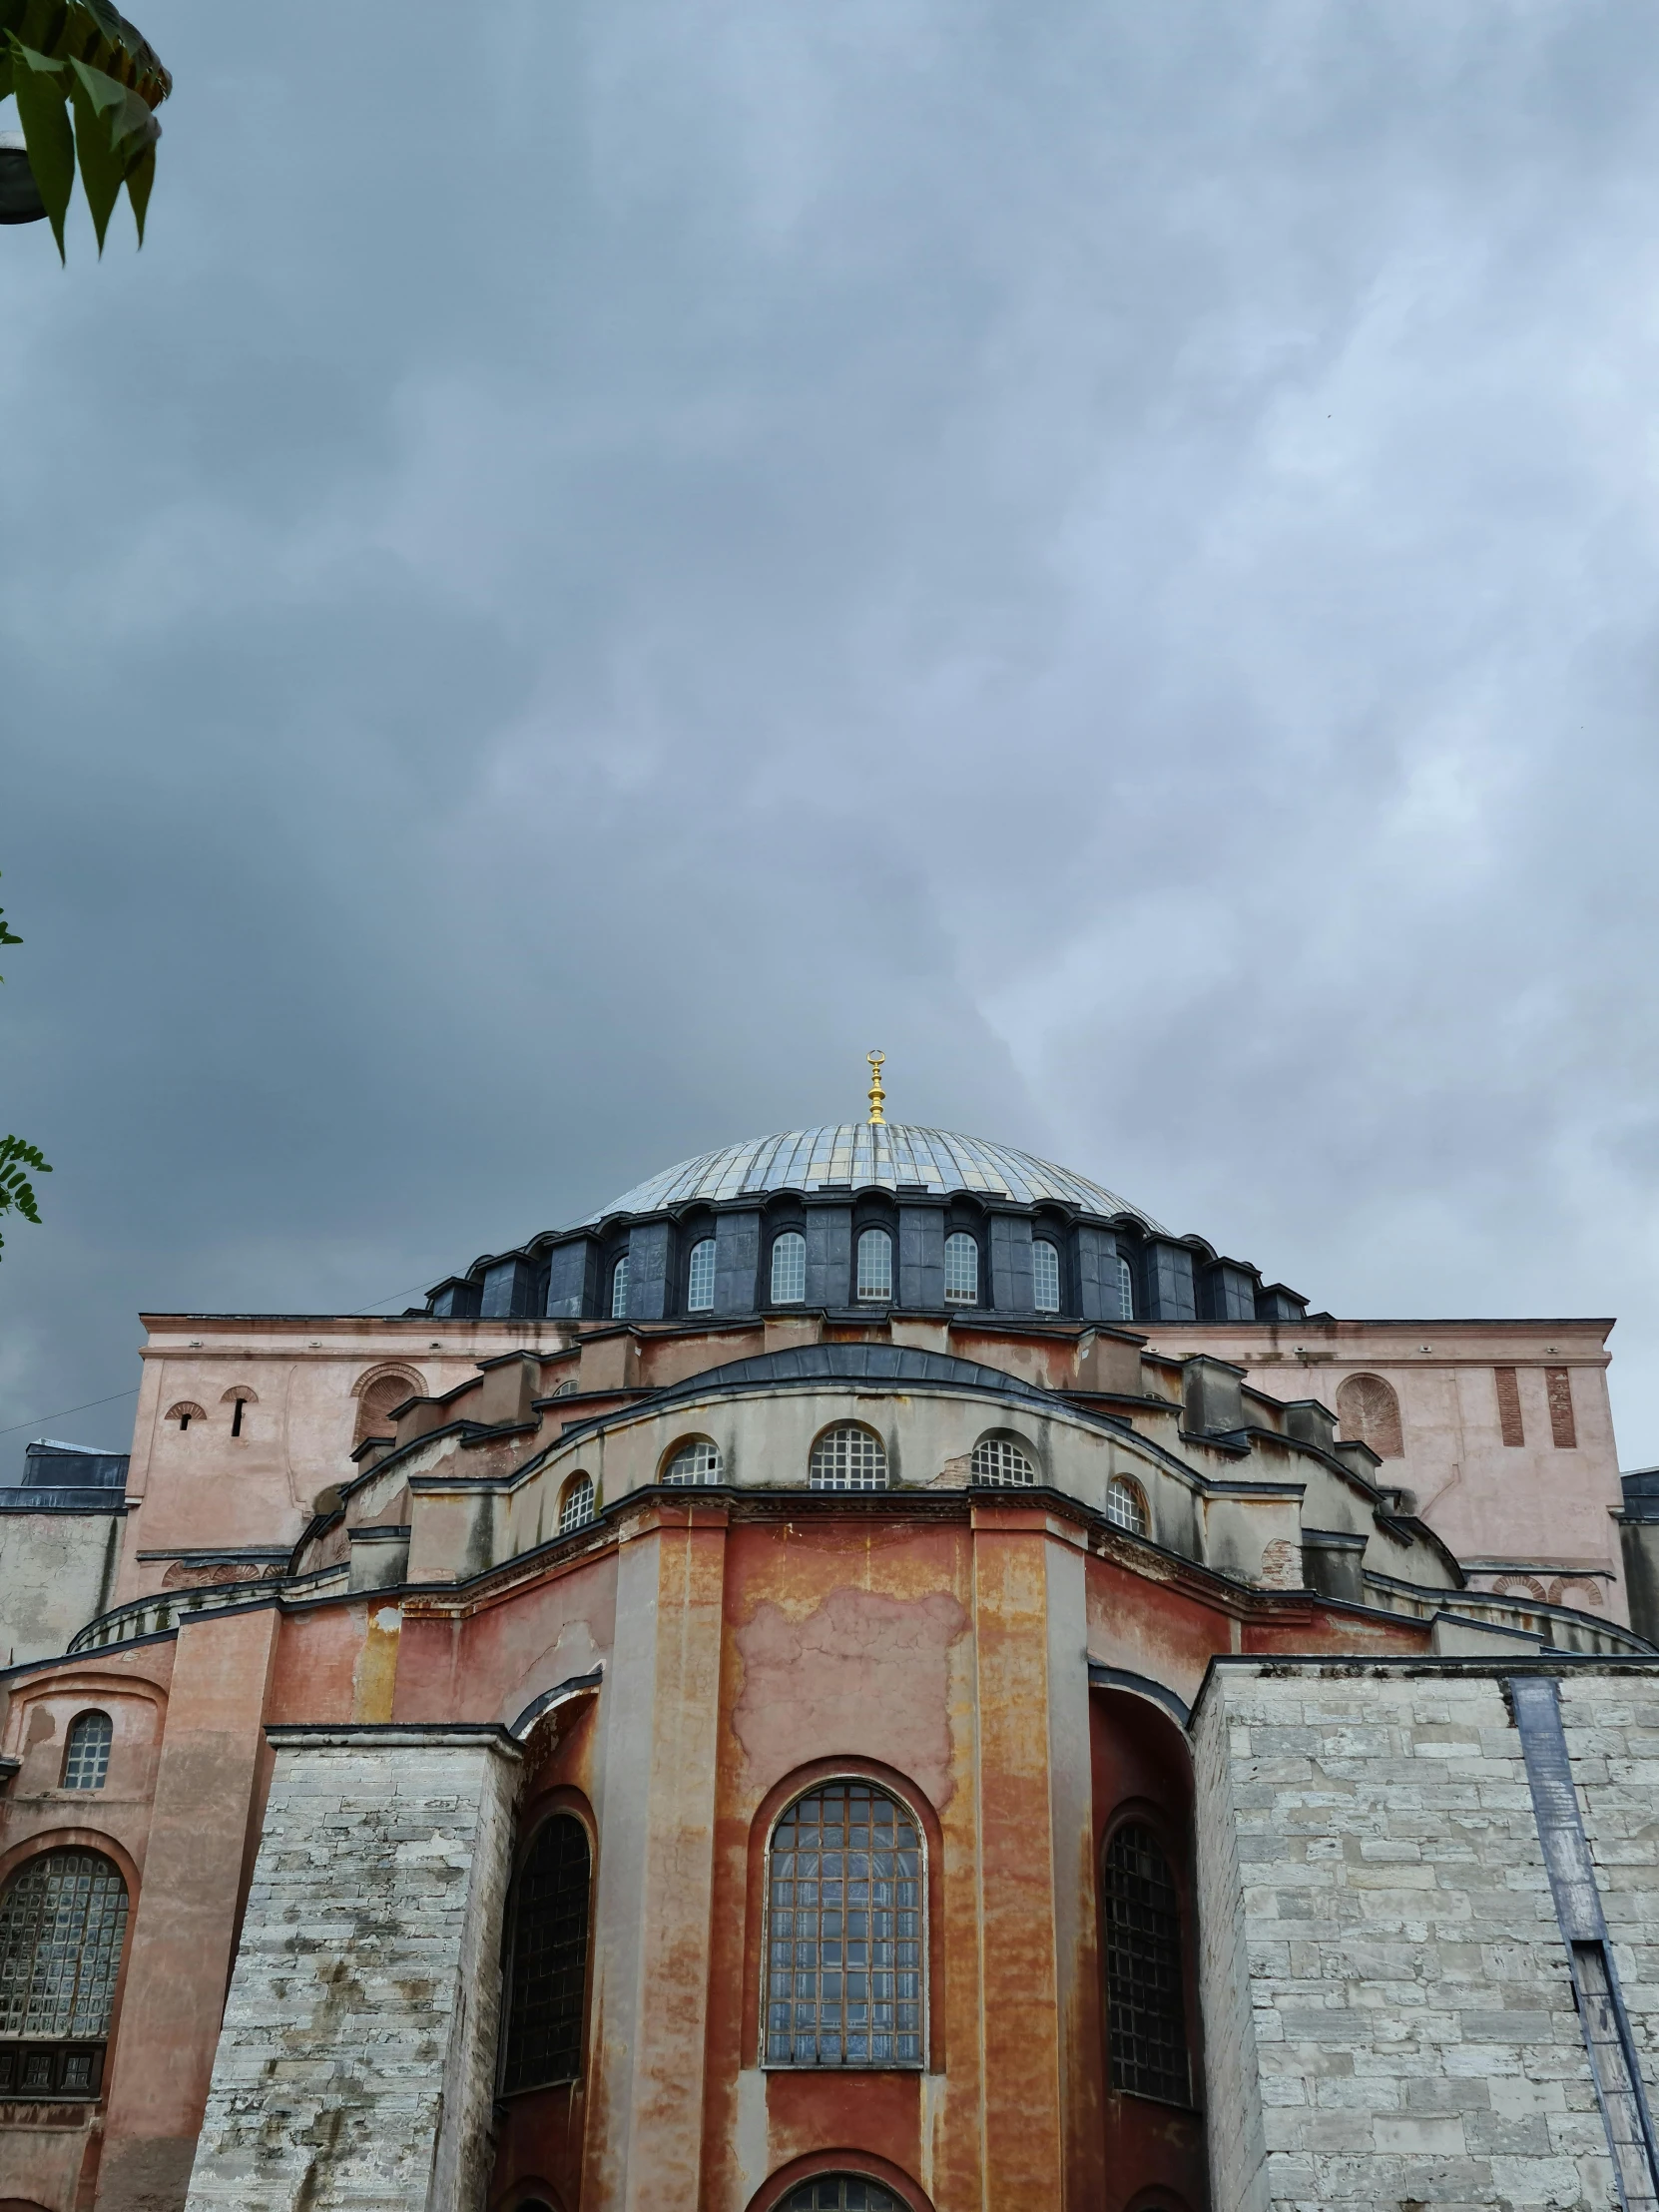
(1389, 2014)
(357, 2061)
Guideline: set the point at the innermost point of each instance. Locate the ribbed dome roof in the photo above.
(891, 1154)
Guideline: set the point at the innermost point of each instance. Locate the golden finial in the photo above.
(878, 1096)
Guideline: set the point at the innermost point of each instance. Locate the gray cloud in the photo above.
(589, 574)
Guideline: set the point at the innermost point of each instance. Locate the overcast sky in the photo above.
(609, 556)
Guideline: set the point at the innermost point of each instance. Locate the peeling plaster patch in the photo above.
(754, 2144)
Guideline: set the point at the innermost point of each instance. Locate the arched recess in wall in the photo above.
(549, 1949)
(1368, 1409)
(793, 2186)
(378, 1391)
(791, 1789)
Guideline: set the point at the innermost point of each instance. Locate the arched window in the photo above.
(876, 1264)
(838, 2193)
(1368, 1408)
(185, 1412)
(961, 1269)
(788, 1268)
(1045, 1276)
(844, 1932)
(1126, 1290)
(1126, 1505)
(999, 1461)
(1145, 2002)
(847, 1458)
(700, 1277)
(63, 1919)
(619, 1290)
(548, 1959)
(86, 1759)
(576, 1504)
(695, 1461)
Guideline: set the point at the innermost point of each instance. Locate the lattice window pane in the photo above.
(961, 1269)
(998, 1460)
(1126, 1290)
(875, 1264)
(698, 1462)
(1146, 2003)
(549, 1960)
(87, 1756)
(619, 1290)
(840, 2193)
(577, 1510)
(843, 1935)
(1126, 1505)
(848, 1459)
(788, 1269)
(700, 1280)
(62, 1923)
(1045, 1276)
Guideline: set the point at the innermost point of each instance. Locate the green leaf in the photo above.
(140, 178)
(5, 73)
(97, 102)
(40, 88)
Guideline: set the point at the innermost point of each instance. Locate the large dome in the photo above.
(890, 1154)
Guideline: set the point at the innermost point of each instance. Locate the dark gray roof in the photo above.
(898, 1366)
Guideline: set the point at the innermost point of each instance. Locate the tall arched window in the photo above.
(697, 1460)
(63, 1919)
(1126, 1290)
(576, 1504)
(1368, 1408)
(788, 1268)
(961, 1269)
(700, 1277)
(876, 1264)
(838, 2193)
(1045, 1276)
(844, 1932)
(847, 1458)
(548, 1959)
(1126, 1505)
(1145, 2001)
(999, 1462)
(86, 1758)
(619, 1290)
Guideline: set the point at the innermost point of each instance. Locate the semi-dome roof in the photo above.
(891, 1154)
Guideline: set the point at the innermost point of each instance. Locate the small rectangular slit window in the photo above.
(235, 1418)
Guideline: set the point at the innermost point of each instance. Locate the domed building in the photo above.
(866, 1676)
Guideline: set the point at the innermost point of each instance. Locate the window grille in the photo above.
(86, 1754)
(875, 1264)
(844, 1932)
(788, 1268)
(847, 1458)
(961, 1269)
(698, 1462)
(619, 1290)
(576, 1506)
(840, 2193)
(998, 1460)
(1045, 1276)
(1126, 1505)
(1510, 1425)
(700, 1279)
(547, 1971)
(62, 1923)
(1145, 2001)
(1126, 1290)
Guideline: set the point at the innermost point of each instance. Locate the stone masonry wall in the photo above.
(355, 2064)
(1370, 1874)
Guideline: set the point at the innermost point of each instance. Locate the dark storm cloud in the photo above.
(604, 559)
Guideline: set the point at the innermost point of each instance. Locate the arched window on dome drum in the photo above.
(961, 1269)
(619, 1290)
(876, 1264)
(1045, 1276)
(1145, 2001)
(700, 1278)
(695, 1461)
(548, 1959)
(844, 1932)
(576, 1504)
(788, 1268)
(63, 1919)
(838, 2193)
(86, 1759)
(1126, 1505)
(847, 1458)
(1126, 1290)
(999, 1462)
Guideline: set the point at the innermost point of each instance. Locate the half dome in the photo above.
(891, 1155)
